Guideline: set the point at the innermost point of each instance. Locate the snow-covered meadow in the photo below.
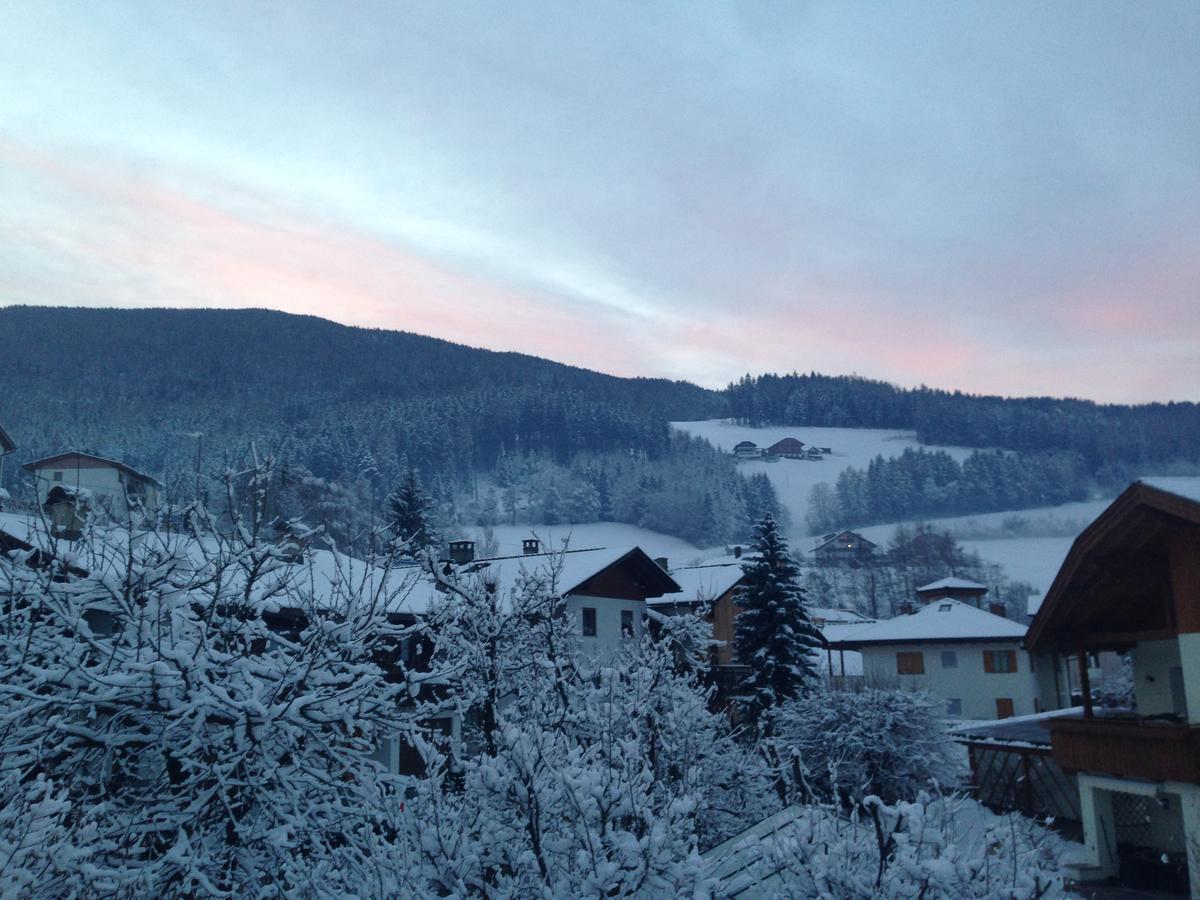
(794, 478)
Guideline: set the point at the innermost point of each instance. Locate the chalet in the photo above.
(970, 659)
(709, 589)
(1131, 583)
(67, 483)
(788, 448)
(747, 450)
(961, 589)
(605, 589)
(844, 547)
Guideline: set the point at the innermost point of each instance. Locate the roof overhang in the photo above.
(638, 566)
(1115, 586)
(7, 444)
(129, 470)
(851, 644)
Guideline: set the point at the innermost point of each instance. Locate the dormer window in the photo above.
(945, 607)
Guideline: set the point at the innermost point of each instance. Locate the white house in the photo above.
(65, 482)
(1131, 583)
(971, 659)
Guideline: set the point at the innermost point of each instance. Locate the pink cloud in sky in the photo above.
(163, 245)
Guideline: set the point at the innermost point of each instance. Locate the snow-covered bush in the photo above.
(581, 775)
(850, 744)
(186, 715)
(915, 849)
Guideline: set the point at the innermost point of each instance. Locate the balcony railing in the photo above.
(1128, 747)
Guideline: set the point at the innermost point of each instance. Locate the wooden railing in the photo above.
(1128, 747)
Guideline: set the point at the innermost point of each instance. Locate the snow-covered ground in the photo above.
(794, 478)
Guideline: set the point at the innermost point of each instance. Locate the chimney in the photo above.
(906, 609)
(662, 563)
(462, 552)
(997, 609)
(531, 546)
(737, 552)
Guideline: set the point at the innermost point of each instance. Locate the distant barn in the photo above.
(788, 448)
(844, 547)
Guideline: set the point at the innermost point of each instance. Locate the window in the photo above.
(954, 707)
(910, 663)
(627, 623)
(589, 622)
(999, 661)
(949, 659)
(1004, 708)
(58, 476)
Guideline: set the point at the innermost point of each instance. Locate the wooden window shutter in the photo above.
(989, 661)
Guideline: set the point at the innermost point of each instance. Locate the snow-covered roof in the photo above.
(952, 584)
(840, 536)
(129, 470)
(1188, 488)
(702, 583)
(840, 616)
(569, 569)
(943, 620)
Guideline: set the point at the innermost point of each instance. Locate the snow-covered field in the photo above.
(793, 478)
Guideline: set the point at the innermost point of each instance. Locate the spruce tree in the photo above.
(408, 508)
(774, 635)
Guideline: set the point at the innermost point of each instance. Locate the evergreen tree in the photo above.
(408, 508)
(774, 636)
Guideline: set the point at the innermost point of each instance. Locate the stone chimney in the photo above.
(531, 546)
(462, 552)
(998, 609)
(662, 563)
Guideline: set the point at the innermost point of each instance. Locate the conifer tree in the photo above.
(409, 514)
(774, 635)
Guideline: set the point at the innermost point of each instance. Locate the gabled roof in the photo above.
(7, 444)
(946, 621)
(1115, 586)
(701, 584)
(744, 444)
(843, 535)
(787, 445)
(49, 461)
(570, 569)
(951, 584)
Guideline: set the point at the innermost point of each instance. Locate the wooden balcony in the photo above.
(1128, 747)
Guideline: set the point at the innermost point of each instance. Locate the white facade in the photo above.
(616, 621)
(955, 672)
(106, 484)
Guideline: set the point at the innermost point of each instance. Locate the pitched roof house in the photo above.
(955, 588)
(1131, 582)
(789, 448)
(845, 546)
(971, 659)
(66, 482)
(7, 446)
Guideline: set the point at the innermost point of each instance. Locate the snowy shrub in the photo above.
(182, 714)
(914, 849)
(581, 775)
(846, 745)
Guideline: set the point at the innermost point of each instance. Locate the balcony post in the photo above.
(1085, 686)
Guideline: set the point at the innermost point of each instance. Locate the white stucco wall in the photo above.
(1152, 664)
(608, 620)
(104, 483)
(967, 682)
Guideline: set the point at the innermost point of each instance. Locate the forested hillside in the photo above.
(1112, 440)
(347, 410)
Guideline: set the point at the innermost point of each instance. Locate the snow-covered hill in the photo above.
(794, 478)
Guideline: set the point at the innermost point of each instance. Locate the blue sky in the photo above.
(996, 197)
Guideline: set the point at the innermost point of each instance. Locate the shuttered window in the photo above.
(999, 661)
(910, 663)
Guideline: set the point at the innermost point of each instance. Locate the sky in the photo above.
(995, 197)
